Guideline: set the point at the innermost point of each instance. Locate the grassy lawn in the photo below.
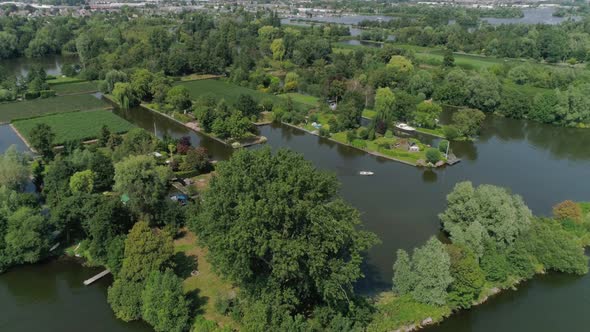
(230, 92)
(196, 77)
(64, 79)
(438, 132)
(394, 312)
(221, 89)
(369, 114)
(301, 98)
(206, 287)
(79, 87)
(37, 107)
(75, 125)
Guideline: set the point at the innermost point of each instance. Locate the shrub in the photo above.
(451, 132)
(47, 93)
(313, 117)
(433, 155)
(389, 134)
(31, 95)
(363, 133)
(567, 210)
(6, 95)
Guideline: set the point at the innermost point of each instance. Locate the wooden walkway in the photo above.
(96, 277)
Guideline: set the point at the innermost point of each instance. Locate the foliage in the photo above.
(179, 98)
(431, 270)
(468, 277)
(468, 121)
(26, 236)
(476, 215)
(259, 229)
(433, 155)
(427, 114)
(14, 171)
(567, 210)
(403, 278)
(143, 181)
(82, 181)
(555, 248)
(164, 305)
(41, 137)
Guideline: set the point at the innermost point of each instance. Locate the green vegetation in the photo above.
(223, 90)
(38, 107)
(495, 243)
(75, 87)
(75, 126)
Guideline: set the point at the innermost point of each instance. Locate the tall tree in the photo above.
(42, 140)
(403, 277)
(274, 225)
(165, 306)
(432, 271)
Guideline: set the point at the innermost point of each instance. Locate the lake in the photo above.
(51, 63)
(400, 203)
(540, 15)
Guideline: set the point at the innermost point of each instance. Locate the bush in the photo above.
(31, 95)
(6, 95)
(324, 132)
(363, 133)
(358, 143)
(313, 117)
(567, 210)
(451, 132)
(389, 134)
(433, 155)
(47, 93)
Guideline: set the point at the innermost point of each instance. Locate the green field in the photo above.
(75, 125)
(230, 92)
(71, 88)
(301, 98)
(37, 107)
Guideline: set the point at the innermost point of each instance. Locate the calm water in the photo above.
(400, 204)
(51, 63)
(51, 297)
(531, 16)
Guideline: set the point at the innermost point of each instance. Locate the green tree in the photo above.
(432, 272)
(124, 95)
(143, 181)
(400, 64)
(484, 91)
(502, 215)
(102, 167)
(403, 276)
(468, 121)
(277, 48)
(433, 155)
(165, 306)
(179, 98)
(468, 278)
(82, 181)
(41, 138)
(145, 251)
(26, 239)
(274, 226)
(427, 114)
(140, 84)
(14, 171)
(113, 77)
(448, 59)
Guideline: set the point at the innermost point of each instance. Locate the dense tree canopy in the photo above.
(274, 225)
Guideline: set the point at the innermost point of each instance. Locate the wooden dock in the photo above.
(96, 277)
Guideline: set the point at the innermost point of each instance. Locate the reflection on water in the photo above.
(51, 63)
(542, 15)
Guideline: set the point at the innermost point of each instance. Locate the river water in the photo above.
(400, 203)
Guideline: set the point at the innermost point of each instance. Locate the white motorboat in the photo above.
(366, 173)
(405, 127)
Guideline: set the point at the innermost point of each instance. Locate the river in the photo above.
(400, 203)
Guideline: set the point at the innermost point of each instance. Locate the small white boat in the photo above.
(405, 127)
(366, 173)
